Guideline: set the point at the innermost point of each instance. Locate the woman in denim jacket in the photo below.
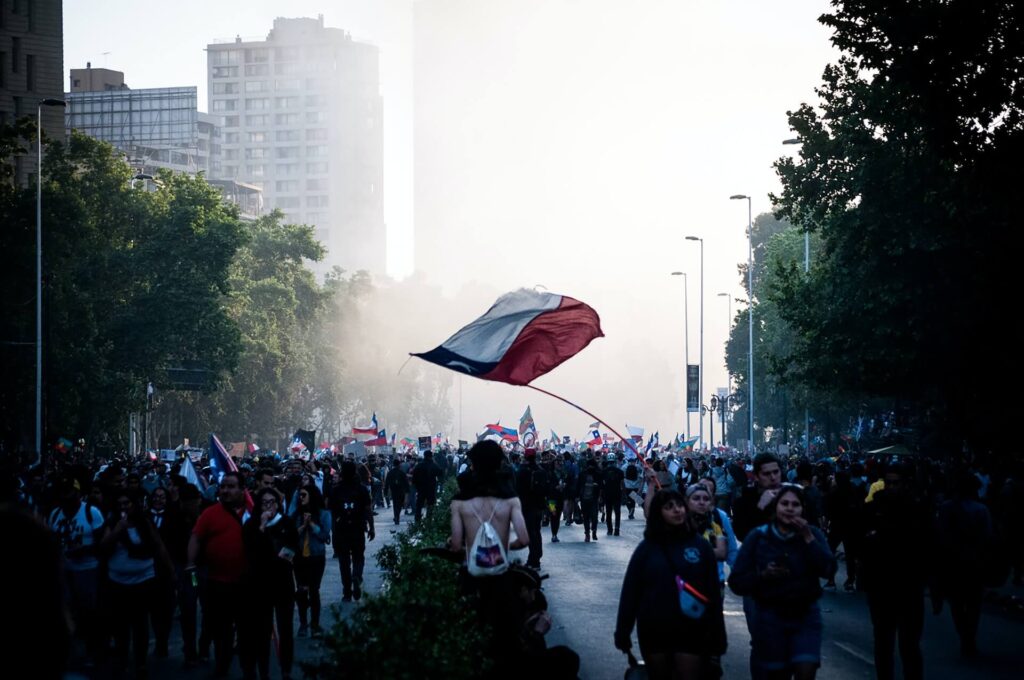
(780, 566)
(314, 524)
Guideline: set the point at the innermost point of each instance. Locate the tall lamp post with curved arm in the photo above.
(750, 314)
(700, 376)
(686, 346)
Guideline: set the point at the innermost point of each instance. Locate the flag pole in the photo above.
(614, 431)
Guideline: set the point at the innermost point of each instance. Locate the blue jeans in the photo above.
(782, 641)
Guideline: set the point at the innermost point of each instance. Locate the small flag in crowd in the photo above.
(372, 428)
(506, 433)
(380, 440)
(307, 438)
(524, 334)
(220, 461)
(63, 445)
(595, 438)
(188, 471)
(635, 433)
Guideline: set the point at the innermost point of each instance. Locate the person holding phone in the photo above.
(314, 531)
(779, 567)
(271, 542)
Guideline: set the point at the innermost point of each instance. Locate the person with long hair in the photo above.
(133, 547)
(670, 593)
(314, 530)
(779, 566)
(271, 542)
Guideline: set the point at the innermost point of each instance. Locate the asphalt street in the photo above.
(583, 590)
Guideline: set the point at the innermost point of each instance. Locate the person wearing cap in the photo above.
(612, 479)
(532, 487)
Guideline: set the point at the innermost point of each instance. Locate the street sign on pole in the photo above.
(693, 388)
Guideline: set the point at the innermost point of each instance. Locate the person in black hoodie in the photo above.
(588, 490)
(397, 485)
(897, 557)
(532, 487)
(674, 643)
(270, 541)
(352, 514)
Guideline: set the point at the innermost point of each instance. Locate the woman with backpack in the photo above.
(780, 566)
(670, 593)
(134, 553)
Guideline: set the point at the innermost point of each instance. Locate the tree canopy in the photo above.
(905, 172)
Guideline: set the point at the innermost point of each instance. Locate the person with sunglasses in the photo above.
(314, 531)
(270, 541)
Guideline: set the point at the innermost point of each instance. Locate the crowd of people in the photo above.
(234, 560)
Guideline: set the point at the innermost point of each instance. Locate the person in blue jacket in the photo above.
(314, 526)
(674, 642)
(780, 565)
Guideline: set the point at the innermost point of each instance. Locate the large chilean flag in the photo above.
(525, 334)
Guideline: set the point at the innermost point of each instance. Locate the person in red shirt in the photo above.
(217, 542)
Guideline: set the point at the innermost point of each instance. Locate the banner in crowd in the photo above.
(693, 388)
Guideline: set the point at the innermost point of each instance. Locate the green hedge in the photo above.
(418, 626)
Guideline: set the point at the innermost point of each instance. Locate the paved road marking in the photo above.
(850, 649)
(729, 613)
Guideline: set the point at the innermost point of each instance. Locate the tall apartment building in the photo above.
(31, 67)
(154, 127)
(302, 119)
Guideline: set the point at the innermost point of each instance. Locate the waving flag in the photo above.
(528, 429)
(380, 440)
(220, 461)
(594, 438)
(524, 334)
(188, 471)
(506, 433)
(650, 444)
(555, 439)
(635, 433)
(689, 443)
(371, 429)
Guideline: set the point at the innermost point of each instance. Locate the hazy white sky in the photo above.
(582, 139)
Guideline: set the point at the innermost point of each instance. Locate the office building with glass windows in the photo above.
(154, 127)
(302, 120)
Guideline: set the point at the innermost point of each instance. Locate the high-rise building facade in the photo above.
(31, 68)
(155, 128)
(302, 120)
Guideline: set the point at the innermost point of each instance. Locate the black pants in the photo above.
(265, 605)
(351, 550)
(965, 606)
(898, 617)
(309, 572)
(222, 615)
(536, 548)
(397, 502)
(556, 517)
(165, 599)
(613, 505)
(589, 512)
(424, 499)
(129, 619)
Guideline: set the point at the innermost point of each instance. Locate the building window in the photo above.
(231, 154)
(15, 54)
(315, 100)
(314, 117)
(230, 121)
(316, 150)
(288, 84)
(257, 56)
(285, 202)
(231, 138)
(286, 53)
(229, 171)
(30, 72)
(286, 102)
(317, 168)
(3, 64)
(288, 68)
(316, 184)
(257, 104)
(288, 135)
(225, 57)
(255, 153)
(286, 168)
(256, 170)
(257, 120)
(316, 201)
(256, 86)
(225, 88)
(286, 185)
(257, 70)
(257, 136)
(225, 105)
(225, 71)
(287, 152)
(316, 134)
(286, 119)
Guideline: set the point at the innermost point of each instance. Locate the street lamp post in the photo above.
(728, 374)
(686, 346)
(39, 272)
(700, 376)
(750, 314)
(807, 269)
